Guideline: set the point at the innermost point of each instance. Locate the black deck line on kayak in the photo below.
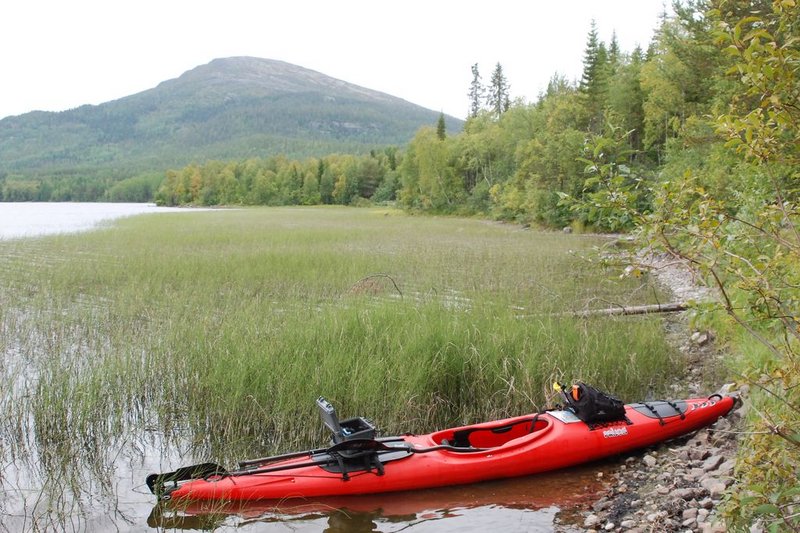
(677, 409)
(655, 412)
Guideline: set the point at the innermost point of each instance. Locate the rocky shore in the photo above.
(678, 485)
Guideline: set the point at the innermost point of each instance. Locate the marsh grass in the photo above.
(216, 331)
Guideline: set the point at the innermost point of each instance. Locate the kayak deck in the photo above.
(518, 446)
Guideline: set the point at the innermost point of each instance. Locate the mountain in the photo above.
(232, 108)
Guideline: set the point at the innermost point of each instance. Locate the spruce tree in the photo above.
(593, 82)
(589, 59)
(476, 92)
(441, 132)
(498, 99)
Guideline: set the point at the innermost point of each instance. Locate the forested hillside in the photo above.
(517, 160)
(231, 108)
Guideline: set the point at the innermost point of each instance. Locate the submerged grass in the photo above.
(221, 328)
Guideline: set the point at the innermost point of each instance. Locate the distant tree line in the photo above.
(89, 187)
(513, 161)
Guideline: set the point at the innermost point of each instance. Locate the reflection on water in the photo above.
(524, 504)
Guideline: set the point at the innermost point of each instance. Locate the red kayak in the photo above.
(358, 463)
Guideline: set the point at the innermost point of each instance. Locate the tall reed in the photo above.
(217, 330)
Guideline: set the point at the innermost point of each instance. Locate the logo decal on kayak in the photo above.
(615, 432)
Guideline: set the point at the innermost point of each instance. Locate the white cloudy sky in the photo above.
(57, 54)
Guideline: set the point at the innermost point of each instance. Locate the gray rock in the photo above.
(591, 521)
(650, 461)
(684, 493)
(723, 424)
(689, 513)
(714, 486)
(695, 474)
(726, 468)
(627, 524)
(610, 526)
(601, 505)
(700, 338)
(699, 454)
(712, 463)
(706, 503)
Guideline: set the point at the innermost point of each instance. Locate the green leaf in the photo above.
(767, 509)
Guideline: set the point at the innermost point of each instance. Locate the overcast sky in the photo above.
(57, 54)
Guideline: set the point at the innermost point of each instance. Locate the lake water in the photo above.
(30, 219)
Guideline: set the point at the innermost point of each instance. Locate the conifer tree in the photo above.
(476, 92)
(498, 99)
(441, 131)
(594, 78)
(589, 59)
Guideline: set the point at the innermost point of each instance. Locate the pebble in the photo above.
(591, 521)
(712, 463)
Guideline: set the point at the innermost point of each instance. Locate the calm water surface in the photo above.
(29, 219)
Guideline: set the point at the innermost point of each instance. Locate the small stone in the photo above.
(610, 526)
(695, 473)
(712, 463)
(714, 486)
(662, 490)
(591, 521)
(601, 505)
(627, 524)
(699, 453)
(684, 494)
(706, 503)
(702, 514)
(726, 468)
(689, 513)
(700, 338)
(723, 424)
(689, 522)
(649, 461)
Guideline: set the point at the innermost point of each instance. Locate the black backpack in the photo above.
(592, 405)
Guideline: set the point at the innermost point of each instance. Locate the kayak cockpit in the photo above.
(494, 434)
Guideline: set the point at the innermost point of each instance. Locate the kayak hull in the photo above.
(506, 448)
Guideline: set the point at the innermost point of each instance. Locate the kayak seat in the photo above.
(356, 428)
(494, 436)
